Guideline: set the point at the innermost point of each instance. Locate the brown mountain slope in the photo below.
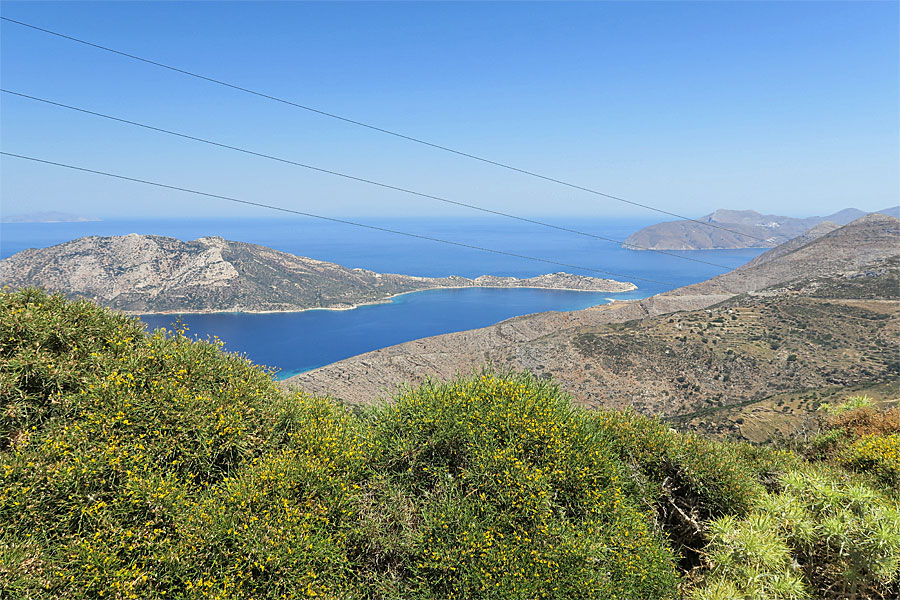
(148, 273)
(830, 303)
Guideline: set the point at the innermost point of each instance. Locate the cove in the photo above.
(296, 342)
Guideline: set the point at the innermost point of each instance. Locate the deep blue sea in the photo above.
(296, 342)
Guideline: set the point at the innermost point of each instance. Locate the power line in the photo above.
(353, 177)
(376, 128)
(332, 219)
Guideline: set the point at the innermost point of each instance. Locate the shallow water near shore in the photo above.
(315, 338)
(298, 342)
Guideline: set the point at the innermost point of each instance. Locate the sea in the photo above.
(292, 343)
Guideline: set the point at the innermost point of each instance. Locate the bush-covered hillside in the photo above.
(139, 465)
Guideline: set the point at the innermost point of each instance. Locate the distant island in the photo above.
(154, 274)
(736, 229)
(48, 217)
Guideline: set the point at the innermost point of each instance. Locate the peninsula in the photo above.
(154, 274)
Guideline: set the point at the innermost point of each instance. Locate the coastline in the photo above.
(385, 300)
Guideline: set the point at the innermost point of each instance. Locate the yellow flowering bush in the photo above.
(153, 466)
(513, 496)
(878, 455)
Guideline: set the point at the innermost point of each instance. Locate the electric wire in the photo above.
(332, 219)
(376, 128)
(355, 178)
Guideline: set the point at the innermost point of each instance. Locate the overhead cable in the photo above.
(359, 179)
(332, 219)
(376, 128)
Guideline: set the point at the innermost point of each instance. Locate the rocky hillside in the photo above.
(805, 316)
(147, 273)
(735, 229)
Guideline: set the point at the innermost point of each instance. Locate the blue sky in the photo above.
(785, 107)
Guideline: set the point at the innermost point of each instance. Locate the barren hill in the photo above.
(804, 316)
(148, 273)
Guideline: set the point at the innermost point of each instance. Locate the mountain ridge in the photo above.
(734, 229)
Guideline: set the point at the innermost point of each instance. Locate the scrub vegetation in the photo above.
(149, 465)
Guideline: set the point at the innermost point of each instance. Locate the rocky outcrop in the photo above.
(148, 273)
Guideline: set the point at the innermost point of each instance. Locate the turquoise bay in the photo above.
(300, 341)
(297, 342)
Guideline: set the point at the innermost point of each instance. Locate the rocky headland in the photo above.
(154, 274)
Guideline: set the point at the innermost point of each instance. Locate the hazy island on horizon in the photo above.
(48, 217)
(726, 229)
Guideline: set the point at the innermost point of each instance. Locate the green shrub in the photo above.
(153, 466)
(48, 347)
(750, 560)
(137, 462)
(820, 532)
(716, 477)
(137, 465)
(852, 403)
(859, 437)
(516, 497)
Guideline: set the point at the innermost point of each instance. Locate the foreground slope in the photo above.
(813, 313)
(153, 466)
(148, 273)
